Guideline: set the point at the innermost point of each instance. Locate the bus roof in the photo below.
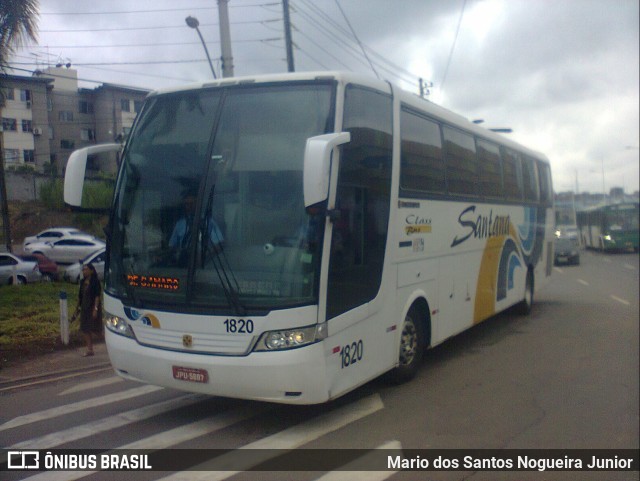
(407, 98)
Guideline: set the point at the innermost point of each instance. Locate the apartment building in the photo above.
(47, 116)
(25, 121)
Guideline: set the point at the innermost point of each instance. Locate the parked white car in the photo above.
(66, 250)
(14, 270)
(73, 273)
(53, 234)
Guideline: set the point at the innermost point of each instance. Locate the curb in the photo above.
(18, 382)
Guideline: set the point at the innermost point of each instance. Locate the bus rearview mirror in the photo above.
(317, 165)
(90, 172)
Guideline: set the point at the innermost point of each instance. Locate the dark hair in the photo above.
(92, 269)
(94, 274)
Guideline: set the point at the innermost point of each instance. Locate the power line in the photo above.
(339, 32)
(172, 44)
(162, 27)
(344, 15)
(155, 10)
(129, 11)
(453, 45)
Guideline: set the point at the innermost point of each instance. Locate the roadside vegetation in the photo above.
(30, 319)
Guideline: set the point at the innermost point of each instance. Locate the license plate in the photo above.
(190, 374)
(562, 259)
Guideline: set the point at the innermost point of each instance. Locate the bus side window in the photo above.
(422, 165)
(462, 164)
(511, 175)
(490, 169)
(530, 179)
(546, 196)
(363, 198)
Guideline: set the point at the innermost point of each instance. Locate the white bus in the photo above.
(288, 238)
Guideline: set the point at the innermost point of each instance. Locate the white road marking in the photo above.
(79, 406)
(630, 267)
(225, 466)
(169, 438)
(346, 473)
(584, 283)
(557, 269)
(92, 385)
(622, 301)
(106, 424)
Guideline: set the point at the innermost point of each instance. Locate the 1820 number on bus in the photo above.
(352, 353)
(239, 326)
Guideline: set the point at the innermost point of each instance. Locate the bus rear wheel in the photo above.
(526, 304)
(412, 346)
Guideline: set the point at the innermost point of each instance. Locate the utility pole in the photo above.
(225, 39)
(287, 36)
(424, 87)
(4, 204)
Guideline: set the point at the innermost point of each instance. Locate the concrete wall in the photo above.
(24, 187)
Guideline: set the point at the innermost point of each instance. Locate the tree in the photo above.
(18, 23)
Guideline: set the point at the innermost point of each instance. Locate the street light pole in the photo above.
(193, 22)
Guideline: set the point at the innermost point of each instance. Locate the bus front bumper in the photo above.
(295, 376)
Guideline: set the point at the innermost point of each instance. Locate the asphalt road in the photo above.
(564, 377)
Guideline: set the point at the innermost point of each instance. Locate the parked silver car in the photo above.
(53, 234)
(73, 273)
(66, 250)
(14, 270)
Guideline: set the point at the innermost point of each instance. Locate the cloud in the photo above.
(563, 73)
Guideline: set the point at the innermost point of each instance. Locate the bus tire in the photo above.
(411, 349)
(526, 304)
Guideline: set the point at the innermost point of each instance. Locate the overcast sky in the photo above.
(564, 75)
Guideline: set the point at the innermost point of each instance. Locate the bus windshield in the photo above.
(209, 210)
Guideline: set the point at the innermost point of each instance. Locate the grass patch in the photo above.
(30, 319)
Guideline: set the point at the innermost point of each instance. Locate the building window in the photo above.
(137, 106)
(25, 95)
(85, 107)
(9, 125)
(124, 105)
(27, 126)
(87, 134)
(65, 116)
(11, 156)
(29, 156)
(67, 144)
(8, 93)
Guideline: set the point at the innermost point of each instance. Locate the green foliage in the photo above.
(30, 318)
(20, 169)
(52, 194)
(98, 194)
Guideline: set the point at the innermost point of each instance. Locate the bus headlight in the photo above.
(291, 338)
(118, 325)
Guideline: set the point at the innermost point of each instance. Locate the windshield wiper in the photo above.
(223, 269)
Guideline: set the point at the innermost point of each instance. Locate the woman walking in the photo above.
(89, 306)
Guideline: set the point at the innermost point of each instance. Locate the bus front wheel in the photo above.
(412, 346)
